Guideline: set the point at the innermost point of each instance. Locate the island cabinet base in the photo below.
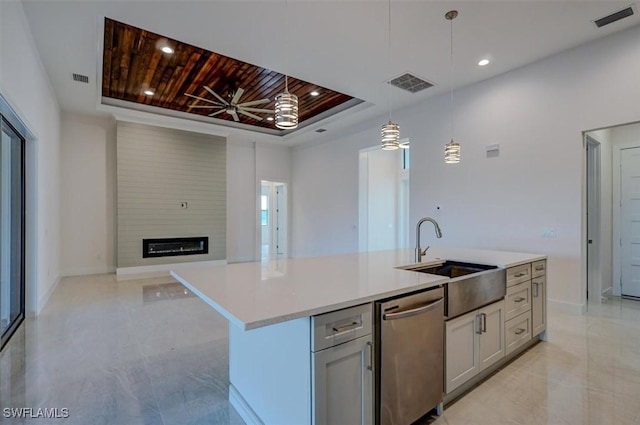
(270, 373)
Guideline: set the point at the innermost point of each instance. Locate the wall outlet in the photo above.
(549, 233)
(184, 205)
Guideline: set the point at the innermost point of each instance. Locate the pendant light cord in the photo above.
(389, 65)
(286, 47)
(451, 74)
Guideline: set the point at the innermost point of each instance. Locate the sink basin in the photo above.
(471, 286)
(454, 269)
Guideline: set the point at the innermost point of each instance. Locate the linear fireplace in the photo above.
(167, 247)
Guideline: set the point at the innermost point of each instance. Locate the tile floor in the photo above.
(144, 352)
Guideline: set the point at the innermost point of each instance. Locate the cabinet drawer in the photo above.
(518, 331)
(340, 326)
(518, 274)
(518, 299)
(539, 268)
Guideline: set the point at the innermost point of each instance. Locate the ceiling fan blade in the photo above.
(202, 98)
(263, 111)
(235, 116)
(217, 113)
(216, 95)
(249, 114)
(236, 96)
(255, 102)
(204, 106)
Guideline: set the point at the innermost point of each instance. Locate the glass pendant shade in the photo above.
(452, 152)
(390, 136)
(286, 111)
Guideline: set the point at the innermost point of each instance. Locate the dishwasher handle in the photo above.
(413, 311)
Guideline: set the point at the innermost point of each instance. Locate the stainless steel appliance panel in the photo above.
(410, 379)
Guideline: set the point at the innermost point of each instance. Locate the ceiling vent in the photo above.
(621, 14)
(410, 83)
(81, 78)
(321, 130)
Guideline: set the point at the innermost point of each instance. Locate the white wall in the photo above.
(88, 168)
(90, 190)
(24, 83)
(537, 114)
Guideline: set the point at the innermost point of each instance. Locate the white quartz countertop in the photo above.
(252, 295)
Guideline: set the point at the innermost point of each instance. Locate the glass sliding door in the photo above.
(11, 230)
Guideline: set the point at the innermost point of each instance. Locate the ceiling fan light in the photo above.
(390, 136)
(286, 111)
(452, 152)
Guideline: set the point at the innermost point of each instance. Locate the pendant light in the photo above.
(286, 113)
(390, 134)
(451, 149)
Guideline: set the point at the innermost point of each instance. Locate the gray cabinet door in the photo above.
(538, 305)
(343, 384)
(492, 340)
(461, 349)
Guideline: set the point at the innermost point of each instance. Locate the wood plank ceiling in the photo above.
(134, 62)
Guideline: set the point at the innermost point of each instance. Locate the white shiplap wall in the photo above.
(158, 169)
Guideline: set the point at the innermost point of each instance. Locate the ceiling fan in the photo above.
(232, 107)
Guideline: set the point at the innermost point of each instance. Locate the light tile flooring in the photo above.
(144, 352)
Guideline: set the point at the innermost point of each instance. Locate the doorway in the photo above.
(594, 244)
(12, 230)
(384, 198)
(273, 220)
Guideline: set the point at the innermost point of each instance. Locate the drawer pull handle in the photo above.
(519, 331)
(520, 274)
(540, 267)
(536, 293)
(520, 299)
(346, 328)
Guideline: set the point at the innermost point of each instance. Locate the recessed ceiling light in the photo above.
(167, 50)
(314, 93)
(149, 92)
(269, 118)
(484, 62)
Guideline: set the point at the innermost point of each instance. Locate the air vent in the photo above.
(81, 78)
(321, 130)
(613, 17)
(410, 83)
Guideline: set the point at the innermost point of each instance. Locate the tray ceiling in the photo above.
(133, 62)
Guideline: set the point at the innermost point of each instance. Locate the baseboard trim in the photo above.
(242, 407)
(568, 308)
(160, 270)
(89, 271)
(608, 292)
(45, 298)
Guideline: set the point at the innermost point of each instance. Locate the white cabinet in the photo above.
(343, 383)
(491, 340)
(538, 305)
(342, 366)
(474, 342)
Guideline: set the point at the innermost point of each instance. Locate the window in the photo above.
(264, 210)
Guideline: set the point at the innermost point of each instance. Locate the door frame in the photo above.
(593, 219)
(6, 121)
(617, 203)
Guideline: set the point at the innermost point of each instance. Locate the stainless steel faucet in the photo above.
(419, 251)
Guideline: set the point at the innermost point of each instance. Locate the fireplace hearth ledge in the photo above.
(160, 270)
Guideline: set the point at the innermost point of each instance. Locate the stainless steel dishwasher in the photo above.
(410, 356)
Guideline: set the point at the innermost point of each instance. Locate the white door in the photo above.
(630, 221)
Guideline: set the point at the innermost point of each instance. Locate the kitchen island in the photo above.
(271, 305)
